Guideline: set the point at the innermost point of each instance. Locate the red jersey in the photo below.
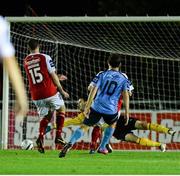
(38, 68)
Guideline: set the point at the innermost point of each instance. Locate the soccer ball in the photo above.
(27, 144)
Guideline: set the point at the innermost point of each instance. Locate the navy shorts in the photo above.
(94, 118)
(121, 130)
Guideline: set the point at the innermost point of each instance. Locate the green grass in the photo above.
(80, 162)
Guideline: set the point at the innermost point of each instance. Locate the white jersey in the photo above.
(6, 48)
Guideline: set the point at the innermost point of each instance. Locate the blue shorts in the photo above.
(94, 118)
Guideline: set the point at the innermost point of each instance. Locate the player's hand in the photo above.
(86, 112)
(126, 118)
(62, 77)
(65, 94)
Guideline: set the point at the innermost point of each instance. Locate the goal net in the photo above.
(80, 47)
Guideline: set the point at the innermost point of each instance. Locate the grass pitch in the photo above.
(80, 162)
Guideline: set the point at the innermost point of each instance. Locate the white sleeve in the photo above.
(131, 87)
(125, 75)
(6, 48)
(50, 64)
(91, 84)
(95, 80)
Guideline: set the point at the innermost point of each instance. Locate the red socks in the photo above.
(59, 123)
(42, 127)
(96, 134)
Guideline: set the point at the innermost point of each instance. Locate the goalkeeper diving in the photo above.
(122, 132)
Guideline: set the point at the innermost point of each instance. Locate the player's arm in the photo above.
(13, 70)
(54, 76)
(91, 96)
(130, 87)
(126, 96)
(77, 120)
(11, 65)
(90, 87)
(126, 103)
(94, 81)
(62, 77)
(93, 87)
(58, 84)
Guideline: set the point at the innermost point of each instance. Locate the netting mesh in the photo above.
(150, 52)
(157, 40)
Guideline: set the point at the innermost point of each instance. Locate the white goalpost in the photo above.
(80, 46)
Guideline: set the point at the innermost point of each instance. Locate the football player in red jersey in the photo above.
(46, 91)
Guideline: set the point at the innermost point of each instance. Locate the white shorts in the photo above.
(49, 104)
(101, 122)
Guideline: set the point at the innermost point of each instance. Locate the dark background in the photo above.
(102, 8)
(90, 7)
